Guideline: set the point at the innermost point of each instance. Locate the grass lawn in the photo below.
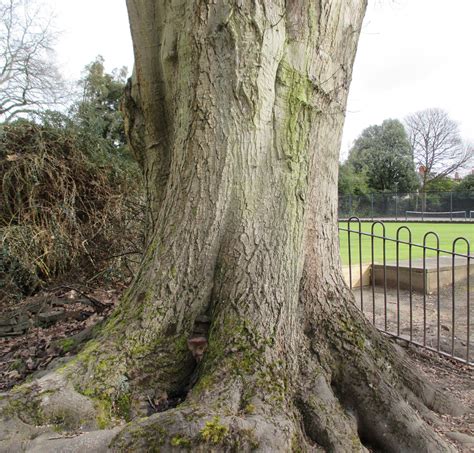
(447, 233)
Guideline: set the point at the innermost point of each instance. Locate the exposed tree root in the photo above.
(325, 420)
(201, 430)
(341, 399)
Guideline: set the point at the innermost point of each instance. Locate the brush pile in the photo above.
(69, 203)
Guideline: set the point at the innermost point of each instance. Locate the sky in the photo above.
(413, 55)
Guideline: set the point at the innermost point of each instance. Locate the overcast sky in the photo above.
(413, 54)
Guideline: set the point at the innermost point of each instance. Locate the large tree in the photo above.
(383, 153)
(239, 333)
(29, 77)
(437, 145)
(98, 109)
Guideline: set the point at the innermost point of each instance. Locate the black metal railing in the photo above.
(424, 298)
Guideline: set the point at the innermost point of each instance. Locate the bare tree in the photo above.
(437, 144)
(29, 79)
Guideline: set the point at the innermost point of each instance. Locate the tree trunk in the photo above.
(235, 113)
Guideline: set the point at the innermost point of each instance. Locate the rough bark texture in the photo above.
(235, 113)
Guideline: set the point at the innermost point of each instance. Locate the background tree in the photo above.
(466, 184)
(29, 78)
(437, 144)
(238, 333)
(352, 182)
(442, 184)
(384, 154)
(98, 110)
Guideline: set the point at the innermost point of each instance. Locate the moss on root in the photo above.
(142, 436)
(236, 345)
(214, 432)
(104, 413)
(181, 441)
(26, 403)
(25, 408)
(111, 385)
(67, 344)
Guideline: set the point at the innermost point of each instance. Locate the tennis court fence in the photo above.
(443, 206)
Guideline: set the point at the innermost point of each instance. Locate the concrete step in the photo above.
(420, 272)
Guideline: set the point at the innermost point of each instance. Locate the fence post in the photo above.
(350, 205)
(372, 205)
(451, 206)
(396, 206)
(423, 206)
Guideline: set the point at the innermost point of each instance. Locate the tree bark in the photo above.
(235, 112)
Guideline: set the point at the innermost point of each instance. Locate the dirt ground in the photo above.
(457, 380)
(452, 376)
(425, 328)
(37, 330)
(59, 319)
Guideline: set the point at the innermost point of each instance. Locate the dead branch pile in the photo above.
(68, 203)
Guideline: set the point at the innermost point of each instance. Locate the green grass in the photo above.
(447, 233)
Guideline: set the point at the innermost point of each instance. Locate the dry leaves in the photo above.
(21, 355)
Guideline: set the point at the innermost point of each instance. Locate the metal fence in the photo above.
(397, 206)
(423, 296)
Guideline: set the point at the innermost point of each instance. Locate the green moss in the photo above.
(248, 435)
(123, 406)
(27, 407)
(152, 247)
(98, 328)
(180, 441)
(247, 347)
(111, 384)
(24, 390)
(24, 405)
(117, 322)
(205, 382)
(67, 344)
(150, 439)
(108, 405)
(242, 440)
(102, 366)
(235, 346)
(213, 432)
(249, 409)
(356, 444)
(88, 391)
(296, 445)
(89, 352)
(352, 334)
(104, 413)
(300, 98)
(139, 350)
(149, 293)
(18, 364)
